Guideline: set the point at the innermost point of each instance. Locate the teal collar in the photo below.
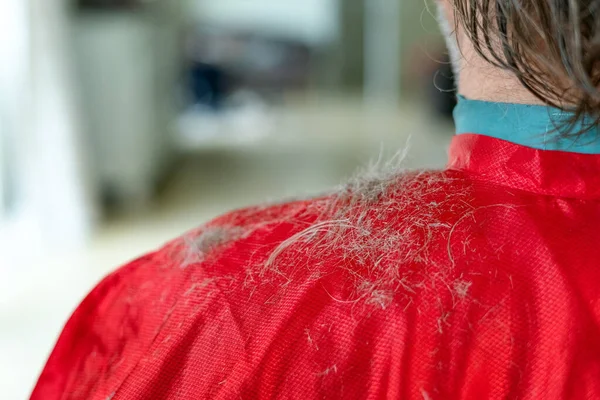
(537, 127)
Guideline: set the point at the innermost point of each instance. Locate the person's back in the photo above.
(478, 282)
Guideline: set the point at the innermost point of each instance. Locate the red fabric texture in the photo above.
(478, 282)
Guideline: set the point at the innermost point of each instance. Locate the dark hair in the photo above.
(552, 46)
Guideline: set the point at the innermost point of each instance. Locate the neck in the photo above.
(479, 80)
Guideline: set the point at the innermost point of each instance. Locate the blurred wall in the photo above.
(127, 67)
(351, 44)
(416, 27)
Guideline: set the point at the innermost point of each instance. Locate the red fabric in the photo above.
(479, 282)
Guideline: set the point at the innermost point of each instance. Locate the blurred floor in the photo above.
(313, 146)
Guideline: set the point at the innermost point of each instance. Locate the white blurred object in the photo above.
(63, 188)
(245, 120)
(14, 94)
(41, 123)
(309, 21)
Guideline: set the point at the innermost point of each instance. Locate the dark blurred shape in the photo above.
(443, 90)
(431, 69)
(223, 61)
(106, 4)
(208, 85)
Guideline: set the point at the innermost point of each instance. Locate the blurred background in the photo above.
(124, 123)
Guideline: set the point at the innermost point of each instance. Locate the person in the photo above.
(476, 282)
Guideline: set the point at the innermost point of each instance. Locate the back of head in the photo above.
(551, 46)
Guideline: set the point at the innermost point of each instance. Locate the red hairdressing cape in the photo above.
(478, 282)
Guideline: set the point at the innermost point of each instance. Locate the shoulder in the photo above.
(122, 317)
(428, 199)
(383, 247)
(374, 223)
